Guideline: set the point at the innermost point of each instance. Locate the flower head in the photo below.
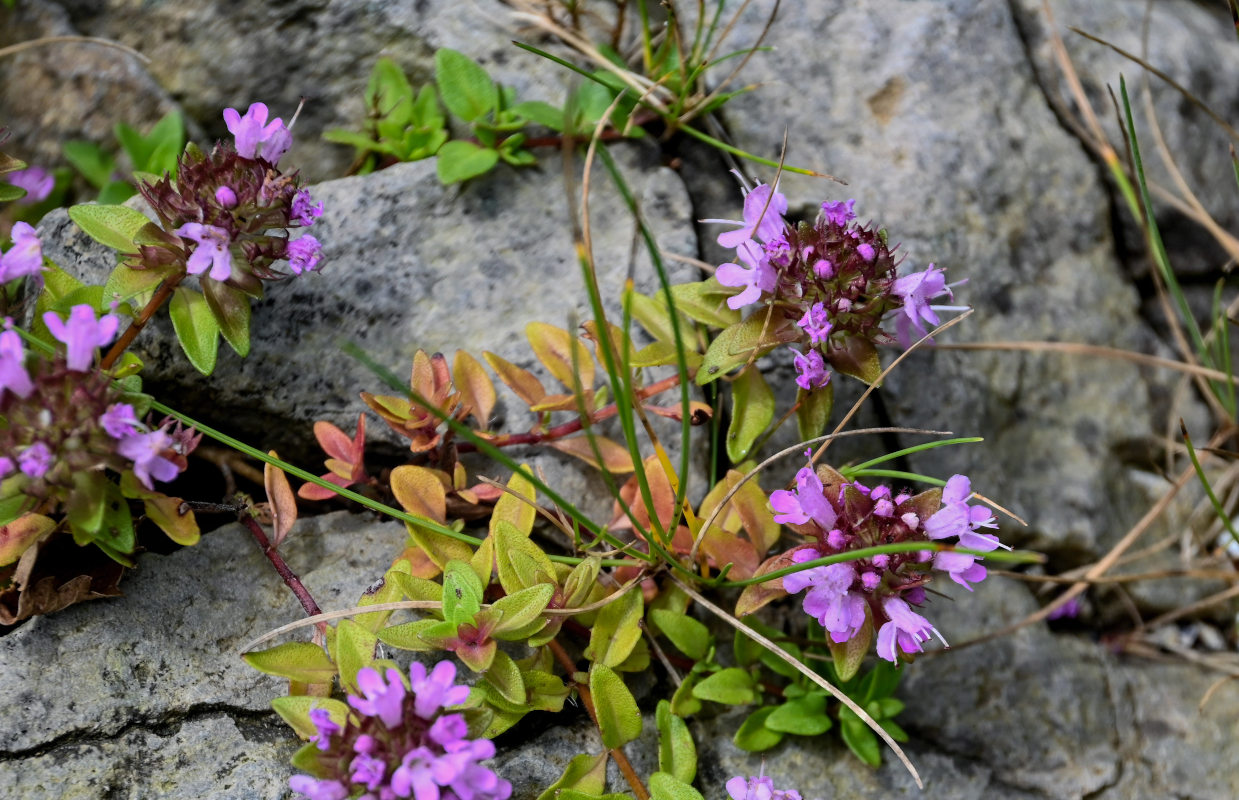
(764, 208)
(37, 182)
(839, 516)
(119, 420)
(13, 375)
(304, 254)
(758, 787)
(255, 137)
(25, 257)
(810, 370)
(146, 451)
(401, 741)
(35, 460)
(82, 333)
(304, 210)
(211, 252)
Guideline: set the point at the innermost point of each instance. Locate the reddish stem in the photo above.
(158, 299)
(570, 427)
(281, 566)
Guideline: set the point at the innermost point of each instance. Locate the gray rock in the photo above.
(212, 56)
(70, 90)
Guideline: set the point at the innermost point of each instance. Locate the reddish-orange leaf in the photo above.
(475, 386)
(521, 381)
(283, 501)
(554, 348)
(421, 491)
(615, 457)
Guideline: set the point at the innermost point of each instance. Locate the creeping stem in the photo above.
(158, 299)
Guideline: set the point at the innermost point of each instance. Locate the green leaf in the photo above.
(113, 226)
(354, 650)
(683, 703)
(545, 114)
(505, 677)
(813, 411)
(668, 787)
(704, 301)
(616, 631)
(677, 755)
(126, 282)
(462, 593)
(296, 712)
(733, 686)
(195, 327)
(9, 193)
(407, 635)
(460, 161)
(297, 661)
(688, 635)
(520, 609)
(750, 339)
(90, 160)
(467, 91)
(521, 563)
(231, 308)
(116, 526)
(585, 773)
(752, 410)
(753, 735)
(805, 716)
(860, 740)
(619, 720)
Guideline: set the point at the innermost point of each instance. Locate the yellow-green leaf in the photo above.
(616, 631)
(619, 720)
(296, 712)
(517, 505)
(742, 342)
(113, 226)
(555, 348)
(752, 410)
(298, 661)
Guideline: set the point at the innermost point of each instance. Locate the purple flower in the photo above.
(325, 726)
(212, 250)
(304, 254)
(315, 789)
(760, 277)
(145, 450)
(304, 211)
(13, 375)
(7, 467)
(839, 213)
(758, 787)
(119, 420)
(866, 251)
(35, 460)
(368, 771)
(37, 182)
(916, 291)
(807, 503)
(435, 690)
(1068, 610)
(815, 323)
(763, 217)
(905, 629)
(82, 334)
(957, 518)
(383, 699)
(810, 369)
(226, 197)
(829, 599)
(255, 137)
(25, 257)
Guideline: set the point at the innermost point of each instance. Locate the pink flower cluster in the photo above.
(402, 742)
(833, 283)
(881, 591)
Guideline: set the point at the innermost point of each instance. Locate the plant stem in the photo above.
(281, 566)
(572, 426)
(621, 760)
(157, 300)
